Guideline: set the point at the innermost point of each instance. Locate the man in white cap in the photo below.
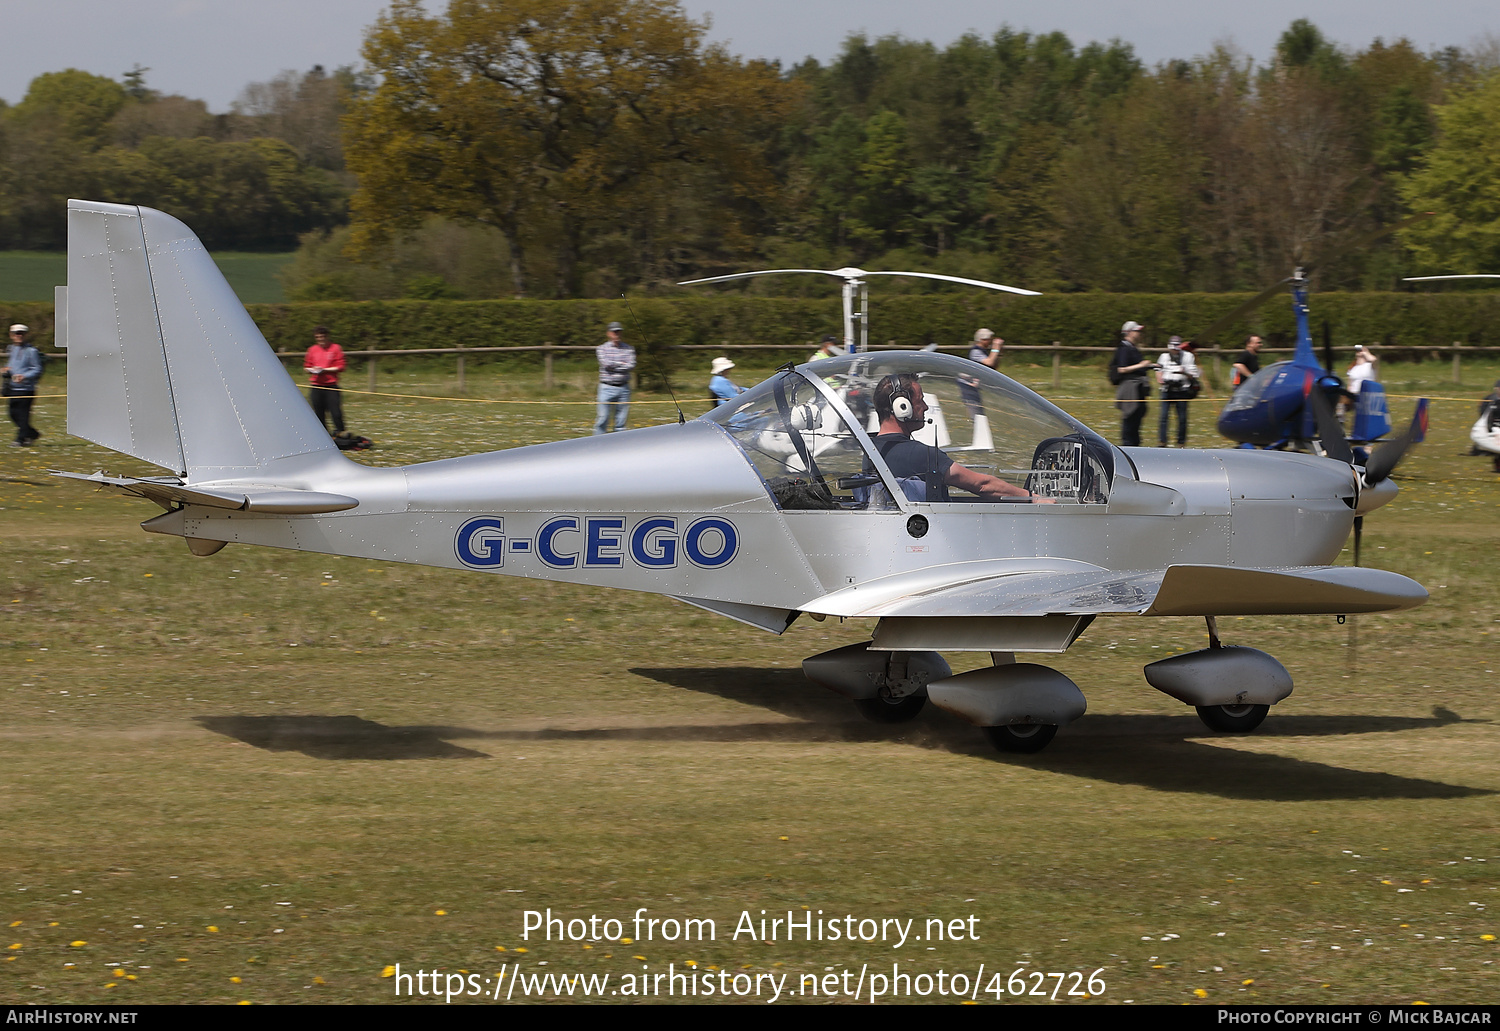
(1128, 370)
(23, 367)
(986, 350)
(720, 387)
(616, 363)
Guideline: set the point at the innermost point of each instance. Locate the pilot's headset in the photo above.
(903, 403)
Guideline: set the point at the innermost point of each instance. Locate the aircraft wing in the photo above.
(1061, 588)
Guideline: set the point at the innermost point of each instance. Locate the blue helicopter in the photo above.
(1272, 409)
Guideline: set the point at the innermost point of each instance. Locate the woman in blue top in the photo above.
(720, 387)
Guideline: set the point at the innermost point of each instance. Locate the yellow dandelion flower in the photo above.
(212, 929)
(243, 1002)
(17, 945)
(499, 948)
(1248, 980)
(182, 959)
(1200, 993)
(15, 923)
(588, 946)
(523, 950)
(785, 838)
(234, 980)
(1385, 882)
(319, 980)
(388, 972)
(52, 924)
(78, 944)
(1486, 937)
(110, 985)
(642, 958)
(130, 977)
(439, 912)
(118, 972)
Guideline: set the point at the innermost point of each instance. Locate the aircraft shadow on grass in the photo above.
(1158, 752)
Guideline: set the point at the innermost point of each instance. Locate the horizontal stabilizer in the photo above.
(169, 493)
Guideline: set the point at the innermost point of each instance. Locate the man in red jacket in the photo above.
(324, 362)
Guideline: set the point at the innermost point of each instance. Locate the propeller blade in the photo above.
(1330, 433)
(1383, 461)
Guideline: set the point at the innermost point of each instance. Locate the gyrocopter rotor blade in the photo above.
(1429, 279)
(857, 273)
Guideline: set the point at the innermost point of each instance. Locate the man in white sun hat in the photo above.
(720, 387)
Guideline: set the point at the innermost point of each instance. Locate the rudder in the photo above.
(164, 363)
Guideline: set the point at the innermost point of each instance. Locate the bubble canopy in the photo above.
(814, 434)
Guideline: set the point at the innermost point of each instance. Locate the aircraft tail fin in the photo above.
(164, 363)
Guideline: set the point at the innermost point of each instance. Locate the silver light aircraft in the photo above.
(838, 488)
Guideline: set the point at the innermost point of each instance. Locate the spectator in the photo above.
(986, 350)
(616, 362)
(1129, 367)
(720, 387)
(1177, 372)
(827, 348)
(23, 367)
(1362, 369)
(324, 362)
(1247, 362)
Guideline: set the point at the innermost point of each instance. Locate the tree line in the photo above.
(585, 148)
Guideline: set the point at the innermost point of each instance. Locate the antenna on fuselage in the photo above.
(661, 366)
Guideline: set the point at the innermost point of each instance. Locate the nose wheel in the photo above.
(1024, 738)
(1232, 719)
(884, 709)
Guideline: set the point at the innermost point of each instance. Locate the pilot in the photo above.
(923, 469)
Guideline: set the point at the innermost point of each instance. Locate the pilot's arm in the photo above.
(987, 486)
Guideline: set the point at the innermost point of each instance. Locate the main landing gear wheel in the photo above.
(881, 709)
(1022, 737)
(1233, 719)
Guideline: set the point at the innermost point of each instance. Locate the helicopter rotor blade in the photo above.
(1330, 433)
(1384, 458)
(1223, 322)
(1364, 240)
(1271, 291)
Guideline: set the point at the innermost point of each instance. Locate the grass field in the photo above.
(268, 776)
(31, 275)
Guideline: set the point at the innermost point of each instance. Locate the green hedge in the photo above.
(1399, 320)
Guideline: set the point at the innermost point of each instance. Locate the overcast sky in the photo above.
(211, 48)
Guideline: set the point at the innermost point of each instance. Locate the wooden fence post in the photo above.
(547, 365)
(1458, 376)
(1057, 365)
(462, 381)
(372, 373)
